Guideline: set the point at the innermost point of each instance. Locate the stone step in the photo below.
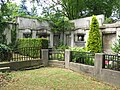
(4, 69)
(4, 64)
(33, 67)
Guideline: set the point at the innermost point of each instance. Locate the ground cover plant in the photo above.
(53, 79)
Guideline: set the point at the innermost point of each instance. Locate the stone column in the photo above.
(33, 34)
(20, 34)
(64, 39)
(72, 38)
(51, 39)
(17, 31)
(98, 64)
(117, 33)
(86, 37)
(67, 58)
(44, 53)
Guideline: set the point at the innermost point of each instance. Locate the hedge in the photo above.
(32, 42)
(31, 46)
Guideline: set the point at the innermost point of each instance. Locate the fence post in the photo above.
(44, 53)
(67, 58)
(98, 64)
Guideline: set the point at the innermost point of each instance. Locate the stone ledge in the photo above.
(4, 69)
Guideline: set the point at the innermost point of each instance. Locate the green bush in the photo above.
(108, 20)
(116, 46)
(79, 55)
(31, 46)
(5, 53)
(32, 42)
(94, 42)
(62, 47)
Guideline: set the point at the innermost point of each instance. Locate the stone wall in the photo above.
(85, 22)
(32, 24)
(109, 34)
(108, 41)
(110, 76)
(21, 64)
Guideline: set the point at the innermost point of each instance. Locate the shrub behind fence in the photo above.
(83, 57)
(56, 54)
(26, 53)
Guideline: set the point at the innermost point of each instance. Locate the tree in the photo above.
(33, 10)
(4, 15)
(74, 9)
(23, 9)
(58, 23)
(94, 42)
(95, 7)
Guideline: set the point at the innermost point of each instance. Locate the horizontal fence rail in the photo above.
(83, 57)
(111, 62)
(56, 54)
(26, 53)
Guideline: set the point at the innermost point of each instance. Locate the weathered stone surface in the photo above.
(56, 63)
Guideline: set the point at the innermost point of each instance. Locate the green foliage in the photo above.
(5, 53)
(31, 47)
(33, 42)
(58, 22)
(61, 46)
(108, 20)
(116, 46)
(79, 55)
(3, 24)
(80, 49)
(23, 8)
(74, 9)
(94, 42)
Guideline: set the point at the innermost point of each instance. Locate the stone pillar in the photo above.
(20, 34)
(72, 38)
(117, 33)
(86, 37)
(67, 58)
(44, 53)
(7, 33)
(98, 64)
(33, 34)
(17, 31)
(64, 39)
(51, 39)
(61, 37)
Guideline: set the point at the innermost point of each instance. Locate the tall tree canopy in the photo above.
(74, 9)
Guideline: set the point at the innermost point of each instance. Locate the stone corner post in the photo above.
(98, 64)
(67, 58)
(44, 53)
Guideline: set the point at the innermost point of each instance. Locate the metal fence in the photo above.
(83, 57)
(21, 54)
(111, 62)
(56, 54)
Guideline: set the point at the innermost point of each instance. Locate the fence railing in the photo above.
(26, 53)
(56, 54)
(83, 57)
(111, 62)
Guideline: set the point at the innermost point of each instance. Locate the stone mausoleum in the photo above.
(33, 28)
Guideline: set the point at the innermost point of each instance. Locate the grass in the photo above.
(53, 79)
